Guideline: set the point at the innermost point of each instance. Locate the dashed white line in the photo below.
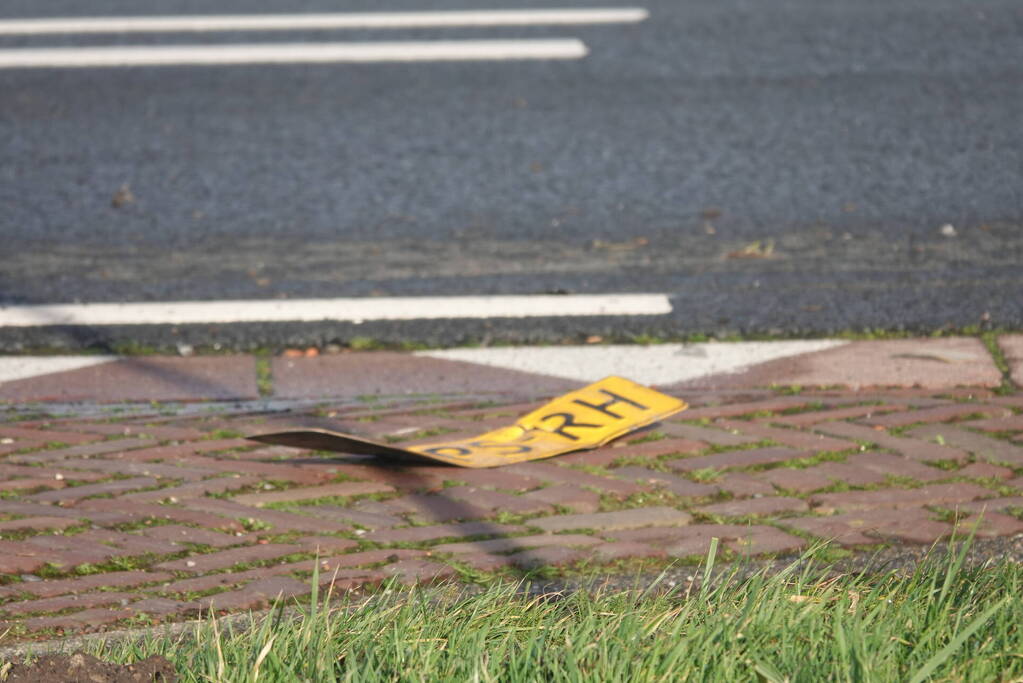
(344, 310)
(291, 53)
(286, 22)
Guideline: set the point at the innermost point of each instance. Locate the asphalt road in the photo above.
(778, 166)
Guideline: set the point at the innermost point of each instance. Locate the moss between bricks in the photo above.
(990, 340)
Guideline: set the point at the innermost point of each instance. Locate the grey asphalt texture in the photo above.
(839, 135)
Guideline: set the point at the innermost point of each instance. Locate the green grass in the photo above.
(990, 340)
(264, 374)
(944, 621)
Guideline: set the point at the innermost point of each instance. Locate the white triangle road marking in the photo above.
(24, 367)
(661, 364)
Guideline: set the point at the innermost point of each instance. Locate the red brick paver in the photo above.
(936, 494)
(867, 527)
(342, 490)
(744, 458)
(573, 498)
(754, 507)
(909, 447)
(420, 534)
(648, 450)
(981, 446)
(611, 521)
(677, 485)
(500, 545)
(793, 438)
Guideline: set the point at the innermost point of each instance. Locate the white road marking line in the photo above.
(291, 53)
(661, 364)
(349, 310)
(289, 22)
(22, 367)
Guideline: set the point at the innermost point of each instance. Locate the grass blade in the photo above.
(708, 570)
(770, 674)
(262, 655)
(944, 653)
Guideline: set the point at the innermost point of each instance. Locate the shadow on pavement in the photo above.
(96, 340)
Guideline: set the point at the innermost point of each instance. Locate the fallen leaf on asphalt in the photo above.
(758, 249)
(122, 197)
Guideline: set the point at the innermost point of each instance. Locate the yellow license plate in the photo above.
(583, 419)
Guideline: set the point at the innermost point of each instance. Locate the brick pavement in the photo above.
(109, 522)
